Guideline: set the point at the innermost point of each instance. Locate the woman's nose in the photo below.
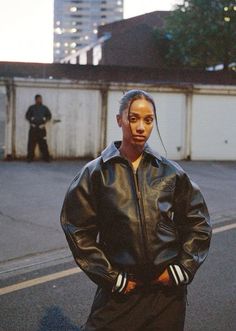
(140, 127)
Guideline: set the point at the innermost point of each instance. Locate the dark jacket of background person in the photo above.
(38, 115)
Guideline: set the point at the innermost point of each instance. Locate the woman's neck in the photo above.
(130, 152)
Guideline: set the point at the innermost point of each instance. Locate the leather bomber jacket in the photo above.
(115, 220)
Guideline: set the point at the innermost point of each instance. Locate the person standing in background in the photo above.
(37, 115)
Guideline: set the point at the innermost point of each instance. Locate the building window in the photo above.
(77, 16)
(58, 31)
(73, 9)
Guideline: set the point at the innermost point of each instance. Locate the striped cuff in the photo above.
(178, 274)
(121, 282)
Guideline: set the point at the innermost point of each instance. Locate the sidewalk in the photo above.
(31, 197)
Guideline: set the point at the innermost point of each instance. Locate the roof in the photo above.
(102, 73)
(154, 19)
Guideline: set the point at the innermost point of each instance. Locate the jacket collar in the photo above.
(112, 151)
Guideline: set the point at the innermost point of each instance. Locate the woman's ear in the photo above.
(119, 120)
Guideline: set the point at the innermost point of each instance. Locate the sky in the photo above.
(26, 26)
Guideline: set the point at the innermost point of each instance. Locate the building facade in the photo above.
(76, 23)
(130, 42)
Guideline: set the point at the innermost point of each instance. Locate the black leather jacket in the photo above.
(38, 115)
(117, 221)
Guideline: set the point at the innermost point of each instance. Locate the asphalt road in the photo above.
(34, 253)
(63, 304)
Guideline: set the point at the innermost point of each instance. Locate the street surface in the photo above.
(41, 287)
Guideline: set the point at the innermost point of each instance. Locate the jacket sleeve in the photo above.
(194, 225)
(28, 114)
(79, 221)
(48, 114)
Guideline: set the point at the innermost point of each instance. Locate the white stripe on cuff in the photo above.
(124, 282)
(180, 275)
(121, 282)
(173, 274)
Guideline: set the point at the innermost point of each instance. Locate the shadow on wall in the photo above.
(55, 320)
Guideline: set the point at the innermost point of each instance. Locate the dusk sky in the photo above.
(26, 26)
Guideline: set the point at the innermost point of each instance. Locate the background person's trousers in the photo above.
(37, 136)
(154, 309)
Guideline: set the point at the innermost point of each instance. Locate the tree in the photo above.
(199, 33)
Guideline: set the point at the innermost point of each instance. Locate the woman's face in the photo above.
(137, 125)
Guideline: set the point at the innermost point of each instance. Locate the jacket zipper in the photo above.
(141, 216)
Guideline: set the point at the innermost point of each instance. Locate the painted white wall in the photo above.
(6, 92)
(171, 115)
(214, 127)
(200, 121)
(79, 112)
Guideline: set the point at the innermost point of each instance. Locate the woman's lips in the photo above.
(141, 138)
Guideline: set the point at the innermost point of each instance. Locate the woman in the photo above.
(138, 227)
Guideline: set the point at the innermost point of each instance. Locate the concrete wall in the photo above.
(196, 122)
(214, 124)
(76, 114)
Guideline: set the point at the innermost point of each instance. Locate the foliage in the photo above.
(199, 33)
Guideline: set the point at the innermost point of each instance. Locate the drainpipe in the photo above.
(10, 151)
(103, 129)
(188, 125)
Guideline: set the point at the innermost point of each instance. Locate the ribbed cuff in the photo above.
(178, 274)
(121, 282)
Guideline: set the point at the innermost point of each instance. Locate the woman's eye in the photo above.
(149, 120)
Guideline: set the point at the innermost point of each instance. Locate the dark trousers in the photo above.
(154, 309)
(37, 136)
